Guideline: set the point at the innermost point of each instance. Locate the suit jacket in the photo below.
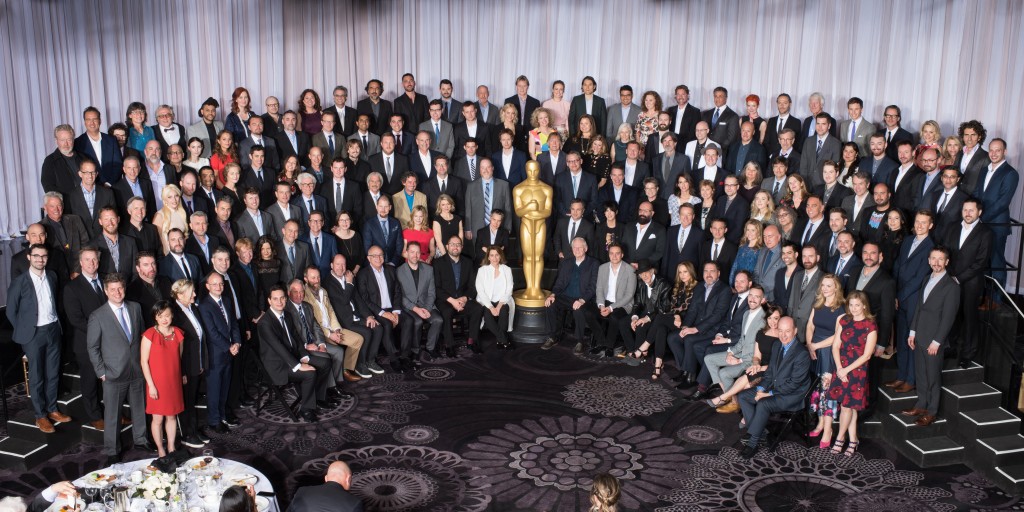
(881, 292)
(674, 256)
(247, 226)
(998, 195)
(909, 271)
(625, 286)
(743, 341)
(407, 145)
(667, 177)
(735, 216)
(771, 136)
(60, 174)
(764, 271)
(792, 160)
(789, 378)
(328, 248)
(126, 252)
(886, 166)
(836, 198)
(147, 296)
(400, 166)
(706, 314)
(486, 138)
(303, 143)
(420, 292)
(75, 203)
(114, 354)
(560, 237)
(727, 131)
(23, 305)
(345, 302)
(290, 270)
(811, 161)
(373, 234)
(933, 319)
(302, 203)
(501, 239)
(169, 268)
(891, 149)
(807, 128)
(350, 200)
(821, 238)
(970, 261)
(952, 211)
(280, 351)
(902, 195)
(250, 297)
(454, 187)
(726, 254)
(697, 157)
(501, 197)
(492, 117)
(615, 118)
(75, 234)
(768, 185)
(326, 497)
(200, 131)
(861, 137)
(222, 332)
(109, 163)
(587, 279)
(167, 141)
(452, 112)
(801, 299)
(629, 200)
(414, 111)
(192, 247)
(978, 163)
(850, 267)
(123, 192)
(319, 139)
(369, 292)
(578, 109)
(277, 219)
(688, 126)
(378, 123)
(266, 186)
(585, 190)
(446, 142)
(781, 290)
(372, 146)
(531, 105)
(755, 153)
(922, 196)
(444, 279)
(273, 155)
(516, 173)
(400, 208)
(849, 204)
(416, 166)
(549, 169)
(651, 247)
(345, 121)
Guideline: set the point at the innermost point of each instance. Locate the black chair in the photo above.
(273, 392)
(787, 418)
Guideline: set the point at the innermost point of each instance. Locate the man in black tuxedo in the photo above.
(553, 161)
(345, 116)
(331, 495)
(574, 291)
(587, 103)
(147, 288)
(410, 104)
(722, 121)
(947, 202)
(523, 102)
(166, 131)
(644, 239)
(684, 116)
(377, 287)
(102, 149)
(390, 164)
(893, 132)
(60, 168)
(83, 295)
(682, 241)
(377, 109)
(405, 142)
(970, 247)
(569, 228)
(902, 178)
(340, 193)
(285, 357)
(585, 187)
(291, 141)
(471, 127)
(260, 177)
(777, 124)
(455, 278)
(972, 159)
(718, 248)
(421, 157)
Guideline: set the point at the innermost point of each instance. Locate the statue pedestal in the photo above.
(529, 325)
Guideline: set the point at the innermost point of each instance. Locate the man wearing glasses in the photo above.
(378, 288)
(167, 132)
(733, 208)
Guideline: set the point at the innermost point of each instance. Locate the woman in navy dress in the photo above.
(821, 334)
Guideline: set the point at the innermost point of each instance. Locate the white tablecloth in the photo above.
(227, 466)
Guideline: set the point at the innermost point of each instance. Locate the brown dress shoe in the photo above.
(45, 426)
(913, 411)
(351, 376)
(904, 388)
(894, 383)
(125, 421)
(728, 408)
(59, 417)
(925, 420)
(98, 425)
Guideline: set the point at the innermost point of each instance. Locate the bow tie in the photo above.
(171, 129)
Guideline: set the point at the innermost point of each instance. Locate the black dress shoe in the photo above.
(597, 350)
(965, 364)
(342, 394)
(748, 451)
(686, 384)
(247, 403)
(682, 377)
(701, 394)
(218, 429)
(231, 421)
(309, 416)
(145, 446)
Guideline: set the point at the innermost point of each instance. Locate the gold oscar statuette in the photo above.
(533, 200)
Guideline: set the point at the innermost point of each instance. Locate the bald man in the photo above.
(36, 234)
(331, 496)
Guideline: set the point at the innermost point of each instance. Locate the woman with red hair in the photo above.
(241, 110)
(760, 126)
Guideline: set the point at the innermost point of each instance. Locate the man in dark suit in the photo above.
(411, 104)
(722, 121)
(746, 150)
(926, 184)
(515, 171)
(709, 307)
(569, 228)
(910, 270)
(291, 142)
(117, 252)
(225, 341)
(176, 264)
(345, 117)
(188, 183)
(930, 332)
(666, 167)
(89, 198)
(778, 124)
(260, 177)
(574, 292)
(285, 356)
(377, 110)
(60, 168)
(733, 208)
(452, 108)
(442, 182)
(711, 170)
(781, 389)
(877, 164)
(901, 180)
(378, 288)
(113, 339)
(574, 184)
(970, 249)
(257, 138)
(684, 116)
(292, 252)
(36, 234)
(32, 305)
(147, 288)
(322, 244)
(819, 148)
(523, 102)
(390, 164)
(804, 289)
(384, 231)
(644, 239)
(200, 243)
(654, 146)
(405, 142)
(616, 191)
(132, 185)
(948, 201)
(682, 241)
(775, 184)
(553, 161)
(422, 158)
(860, 203)
(253, 222)
(331, 495)
(893, 133)
(844, 263)
(308, 201)
(972, 159)
(195, 359)
(814, 229)
(166, 131)
(816, 103)
(352, 314)
(493, 235)
(783, 276)
(831, 192)
(489, 112)
(587, 103)
(339, 193)
(718, 248)
(107, 158)
(331, 143)
(442, 132)
(996, 188)
(455, 277)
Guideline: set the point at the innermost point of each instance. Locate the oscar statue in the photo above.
(533, 200)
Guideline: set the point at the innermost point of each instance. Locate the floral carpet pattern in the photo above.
(527, 430)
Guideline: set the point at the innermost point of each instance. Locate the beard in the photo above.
(643, 219)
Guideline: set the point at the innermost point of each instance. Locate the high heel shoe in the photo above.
(814, 433)
(657, 371)
(633, 359)
(837, 446)
(851, 448)
(824, 444)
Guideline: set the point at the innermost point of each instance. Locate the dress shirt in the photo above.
(115, 253)
(382, 285)
(46, 313)
(968, 154)
(285, 210)
(291, 341)
(865, 278)
(710, 172)
(613, 278)
(965, 231)
(933, 280)
(97, 147)
(90, 198)
(425, 161)
(641, 229)
(992, 168)
(257, 219)
(901, 173)
(159, 180)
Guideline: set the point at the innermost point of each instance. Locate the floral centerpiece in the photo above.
(157, 486)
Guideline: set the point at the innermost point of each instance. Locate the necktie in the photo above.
(291, 254)
(682, 238)
(96, 286)
(767, 262)
(807, 279)
(330, 143)
(212, 200)
(444, 185)
(817, 151)
(387, 166)
(487, 201)
(305, 326)
(316, 247)
(832, 246)
(366, 145)
(572, 232)
(287, 334)
(184, 266)
(310, 203)
(259, 223)
(775, 191)
(668, 168)
(188, 206)
(778, 129)
(714, 118)
(384, 228)
(839, 267)
(447, 110)
(123, 318)
(223, 312)
(807, 234)
(294, 141)
(437, 133)
(398, 139)
(472, 169)
(575, 185)
(945, 198)
(337, 196)
(259, 175)
(853, 130)
(259, 141)
(714, 253)
(888, 137)
(234, 295)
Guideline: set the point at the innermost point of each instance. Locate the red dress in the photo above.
(852, 394)
(165, 367)
(423, 237)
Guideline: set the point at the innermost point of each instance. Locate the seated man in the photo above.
(574, 290)
(377, 287)
(725, 367)
(726, 334)
(709, 307)
(416, 280)
(285, 356)
(334, 334)
(493, 235)
(455, 278)
(616, 284)
(782, 388)
(316, 343)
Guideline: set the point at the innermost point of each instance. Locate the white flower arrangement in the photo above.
(157, 486)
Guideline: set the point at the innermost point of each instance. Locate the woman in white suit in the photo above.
(494, 293)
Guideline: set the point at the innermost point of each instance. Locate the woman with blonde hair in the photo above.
(172, 215)
(540, 119)
(605, 495)
(821, 334)
(417, 230)
(762, 208)
(797, 193)
(950, 149)
(446, 224)
(930, 135)
(750, 244)
(509, 120)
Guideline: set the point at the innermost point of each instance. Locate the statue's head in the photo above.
(532, 170)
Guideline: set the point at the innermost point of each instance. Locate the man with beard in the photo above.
(654, 145)
(804, 289)
(872, 221)
(148, 287)
(644, 240)
(60, 168)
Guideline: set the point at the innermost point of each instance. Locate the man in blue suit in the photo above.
(108, 157)
(877, 164)
(708, 309)
(32, 310)
(996, 187)
(225, 341)
(909, 270)
(384, 231)
(178, 265)
(323, 246)
(574, 184)
(782, 388)
(307, 200)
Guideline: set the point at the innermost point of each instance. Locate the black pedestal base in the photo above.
(529, 325)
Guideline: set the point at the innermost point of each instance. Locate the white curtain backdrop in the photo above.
(945, 60)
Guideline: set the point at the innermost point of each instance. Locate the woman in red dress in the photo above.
(857, 337)
(419, 231)
(161, 365)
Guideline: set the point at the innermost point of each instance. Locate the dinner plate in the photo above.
(243, 479)
(262, 503)
(100, 478)
(202, 463)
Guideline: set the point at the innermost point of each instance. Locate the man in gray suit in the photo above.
(441, 130)
(482, 196)
(257, 138)
(292, 252)
(805, 287)
(616, 284)
(253, 222)
(32, 310)
(282, 210)
(416, 280)
(856, 129)
(625, 112)
(114, 338)
(488, 112)
(726, 367)
(769, 261)
(817, 149)
(207, 128)
(775, 185)
(327, 140)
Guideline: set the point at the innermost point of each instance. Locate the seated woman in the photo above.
(446, 223)
(161, 350)
(768, 337)
(494, 293)
(608, 232)
(670, 321)
(171, 216)
(237, 121)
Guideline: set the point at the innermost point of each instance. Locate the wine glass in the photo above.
(90, 494)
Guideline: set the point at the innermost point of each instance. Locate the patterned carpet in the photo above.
(528, 429)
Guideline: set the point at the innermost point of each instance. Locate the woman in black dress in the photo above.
(350, 242)
(268, 267)
(446, 224)
(607, 232)
(892, 236)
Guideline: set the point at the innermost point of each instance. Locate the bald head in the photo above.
(787, 329)
(339, 473)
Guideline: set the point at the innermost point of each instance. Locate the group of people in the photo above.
(302, 242)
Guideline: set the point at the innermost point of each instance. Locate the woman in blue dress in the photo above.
(821, 334)
(750, 244)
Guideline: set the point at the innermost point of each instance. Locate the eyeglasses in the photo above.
(374, 255)
(163, 116)
(273, 105)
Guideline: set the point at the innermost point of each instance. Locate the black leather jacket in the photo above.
(659, 302)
